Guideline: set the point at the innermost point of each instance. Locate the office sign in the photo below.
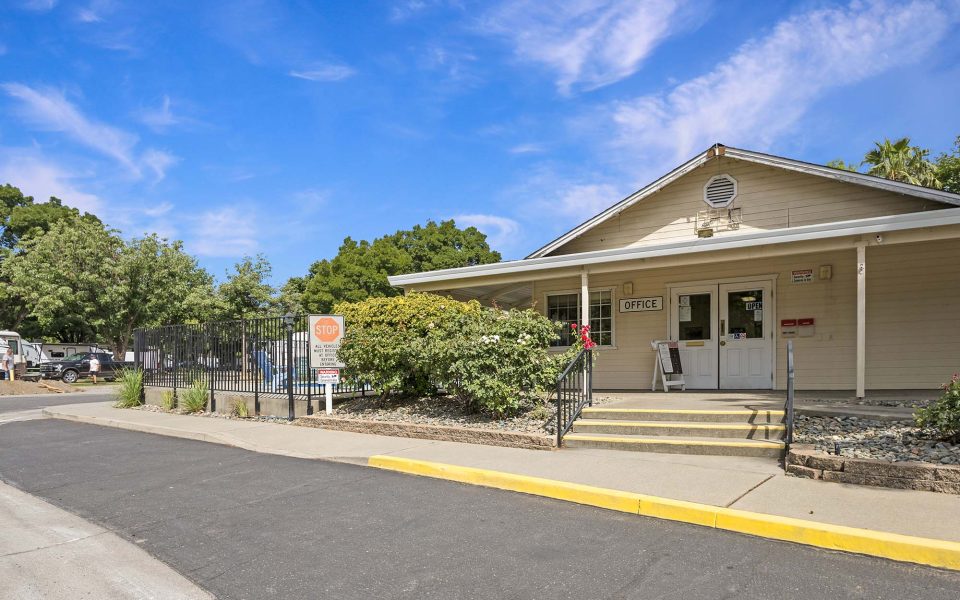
(641, 304)
(326, 332)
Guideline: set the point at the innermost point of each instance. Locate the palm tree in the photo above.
(902, 162)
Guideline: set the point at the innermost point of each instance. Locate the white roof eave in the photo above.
(937, 218)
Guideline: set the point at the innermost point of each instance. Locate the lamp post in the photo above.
(288, 320)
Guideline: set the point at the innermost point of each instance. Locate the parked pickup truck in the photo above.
(76, 366)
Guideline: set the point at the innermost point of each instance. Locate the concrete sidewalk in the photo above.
(46, 552)
(749, 484)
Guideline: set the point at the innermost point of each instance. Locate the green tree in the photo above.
(66, 277)
(360, 269)
(245, 293)
(902, 162)
(82, 282)
(290, 299)
(948, 168)
(155, 283)
(843, 166)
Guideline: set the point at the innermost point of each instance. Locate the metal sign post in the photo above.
(326, 332)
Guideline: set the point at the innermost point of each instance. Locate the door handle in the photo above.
(723, 342)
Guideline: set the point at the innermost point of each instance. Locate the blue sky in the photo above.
(282, 127)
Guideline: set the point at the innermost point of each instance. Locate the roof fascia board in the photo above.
(938, 218)
(845, 176)
(626, 203)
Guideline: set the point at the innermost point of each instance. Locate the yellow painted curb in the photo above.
(904, 548)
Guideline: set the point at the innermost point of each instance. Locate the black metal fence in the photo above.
(574, 391)
(266, 358)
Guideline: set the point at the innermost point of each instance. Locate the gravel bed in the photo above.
(449, 411)
(803, 398)
(893, 441)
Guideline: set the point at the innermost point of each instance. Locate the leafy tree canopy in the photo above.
(902, 162)
(360, 269)
(948, 168)
(246, 293)
(21, 217)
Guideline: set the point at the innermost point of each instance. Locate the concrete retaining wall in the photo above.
(804, 461)
(269, 405)
(489, 437)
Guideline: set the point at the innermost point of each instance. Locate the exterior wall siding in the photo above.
(768, 197)
(913, 316)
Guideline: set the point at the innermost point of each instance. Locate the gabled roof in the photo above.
(756, 157)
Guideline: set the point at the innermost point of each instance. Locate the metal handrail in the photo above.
(574, 390)
(790, 392)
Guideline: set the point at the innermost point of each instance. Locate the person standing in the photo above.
(94, 367)
(7, 364)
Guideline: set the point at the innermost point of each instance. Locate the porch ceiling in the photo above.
(510, 296)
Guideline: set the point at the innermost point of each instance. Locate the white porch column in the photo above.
(861, 319)
(584, 298)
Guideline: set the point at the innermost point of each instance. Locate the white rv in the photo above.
(59, 351)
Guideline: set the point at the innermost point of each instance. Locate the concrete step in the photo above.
(689, 415)
(676, 444)
(751, 431)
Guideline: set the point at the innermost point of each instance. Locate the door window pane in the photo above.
(694, 316)
(745, 315)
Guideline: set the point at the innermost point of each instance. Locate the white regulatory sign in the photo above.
(328, 375)
(326, 331)
(641, 304)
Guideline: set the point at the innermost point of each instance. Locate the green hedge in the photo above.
(495, 361)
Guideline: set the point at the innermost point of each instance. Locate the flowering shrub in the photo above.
(495, 361)
(581, 336)
(943, 415)
(385, 339)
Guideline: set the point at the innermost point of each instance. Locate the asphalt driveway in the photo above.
(247, 525)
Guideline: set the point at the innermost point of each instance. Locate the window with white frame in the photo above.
(565, 308)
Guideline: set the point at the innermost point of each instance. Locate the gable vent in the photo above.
(720, 191)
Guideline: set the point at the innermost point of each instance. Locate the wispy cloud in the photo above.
(39, 5)
(158, 210)
(761, 92)
(324, 72)
(526, 149)
(42, 178)
(162, 117)
(49, 110)
(158, 161)
(589, 43)
(501, 231)
(225, 232)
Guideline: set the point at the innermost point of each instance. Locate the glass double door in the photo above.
(724, 332)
